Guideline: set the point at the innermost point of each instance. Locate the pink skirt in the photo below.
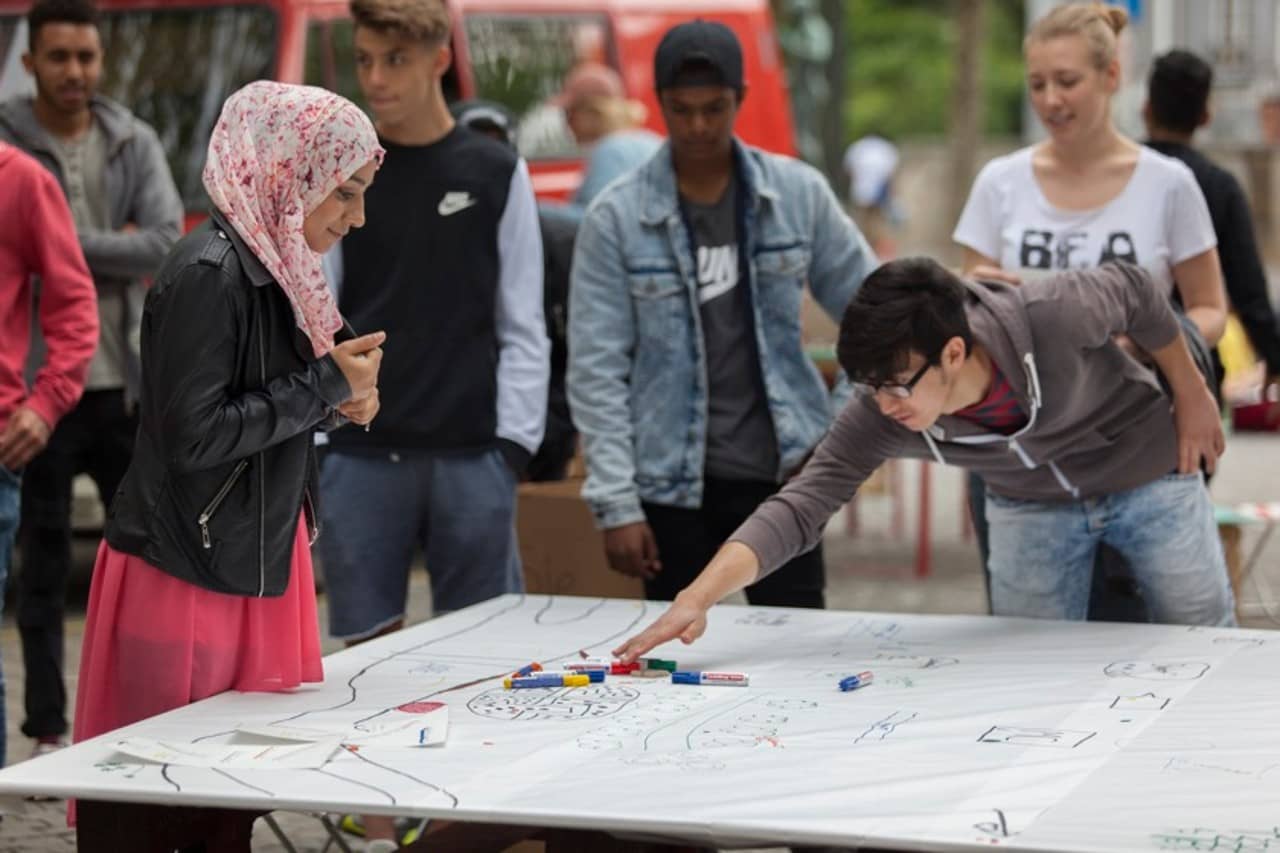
(153, 643)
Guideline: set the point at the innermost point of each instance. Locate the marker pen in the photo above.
(853, 682)
(728, 679)
(659, 663)
(527, 670)
(546, 679)
(588, 665)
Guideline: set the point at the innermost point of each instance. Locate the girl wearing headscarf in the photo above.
(203, 582)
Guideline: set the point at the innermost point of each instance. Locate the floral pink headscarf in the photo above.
(277, 151)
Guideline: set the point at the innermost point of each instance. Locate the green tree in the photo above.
(899, 67)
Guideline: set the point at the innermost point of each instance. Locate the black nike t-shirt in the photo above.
(425, 268)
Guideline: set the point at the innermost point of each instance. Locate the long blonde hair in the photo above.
(1098, 24)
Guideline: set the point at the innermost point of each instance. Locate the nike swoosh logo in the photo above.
(454, 202)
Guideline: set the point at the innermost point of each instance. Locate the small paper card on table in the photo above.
(412, 724)
(307, 756)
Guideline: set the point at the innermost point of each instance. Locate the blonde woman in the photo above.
(1088, 194)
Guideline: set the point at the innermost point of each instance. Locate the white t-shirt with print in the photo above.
(1158, 220)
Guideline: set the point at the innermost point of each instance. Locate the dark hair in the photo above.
(1178, 90)
(59, 12)
(907, 305)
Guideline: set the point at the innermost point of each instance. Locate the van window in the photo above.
(173, 68)
(521, 62)
(331, 60)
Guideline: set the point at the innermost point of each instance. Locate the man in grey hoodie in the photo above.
(128, 214)
(1027, 386)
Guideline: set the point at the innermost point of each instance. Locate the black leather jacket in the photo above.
(231, 396)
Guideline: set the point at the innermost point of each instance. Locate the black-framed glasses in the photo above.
(901, 390)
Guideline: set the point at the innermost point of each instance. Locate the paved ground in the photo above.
(870, 571)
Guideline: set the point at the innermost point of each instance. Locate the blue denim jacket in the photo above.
(637, 365)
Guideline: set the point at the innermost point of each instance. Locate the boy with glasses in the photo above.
(1027, 386)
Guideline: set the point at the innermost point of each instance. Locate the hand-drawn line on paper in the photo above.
(537, 618)
(390, 797)
(878, 628)
(790, 703)
(882, 728)
(569, 703)
(742, 730)
(680, 760)
(128, 770)
(164, 772)
(1241, 641)
(895, 661)
(1141, 702)
(1025, 736)
(764, 619)
(734, 726)
(999, 827)
(1183, 765)
(423, 782)
(1156, 670)
(1229, 841)
(241, 782)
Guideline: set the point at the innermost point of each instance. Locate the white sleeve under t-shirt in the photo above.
(1158, 220)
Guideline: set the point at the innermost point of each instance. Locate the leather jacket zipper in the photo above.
(262, 473)
(313, 523)
(207, 514)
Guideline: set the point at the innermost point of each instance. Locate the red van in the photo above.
(173, 62)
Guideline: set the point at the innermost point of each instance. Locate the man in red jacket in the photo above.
(37, 238)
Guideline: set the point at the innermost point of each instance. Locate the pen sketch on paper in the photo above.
(1157, 670)
(1220, 841)
(1023, 736)
(881, 729)
(1141, 702)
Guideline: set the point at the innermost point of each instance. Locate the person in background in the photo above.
(1086, 196)
(871, 164)
(128, 214)
(1178, 90)
(453, 272)
(37, 239)
(203, 582)
(560, 440)
(687, 378)
(608, 127)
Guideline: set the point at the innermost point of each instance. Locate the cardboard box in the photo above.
(562, 552)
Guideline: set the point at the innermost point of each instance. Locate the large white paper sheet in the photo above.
(311, 756)
(977, 733)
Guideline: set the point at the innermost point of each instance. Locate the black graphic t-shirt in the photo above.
(741, 444)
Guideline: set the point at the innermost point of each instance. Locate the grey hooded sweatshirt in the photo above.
(1097, 420)
(140, 191)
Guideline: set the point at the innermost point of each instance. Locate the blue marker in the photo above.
(555, 679)
(596, 675)
(853, 682)
(731, 679)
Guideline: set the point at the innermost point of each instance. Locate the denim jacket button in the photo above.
(651, 286)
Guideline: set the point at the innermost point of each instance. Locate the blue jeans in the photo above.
(1042, 553)
(10, 494)
(377, 509)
